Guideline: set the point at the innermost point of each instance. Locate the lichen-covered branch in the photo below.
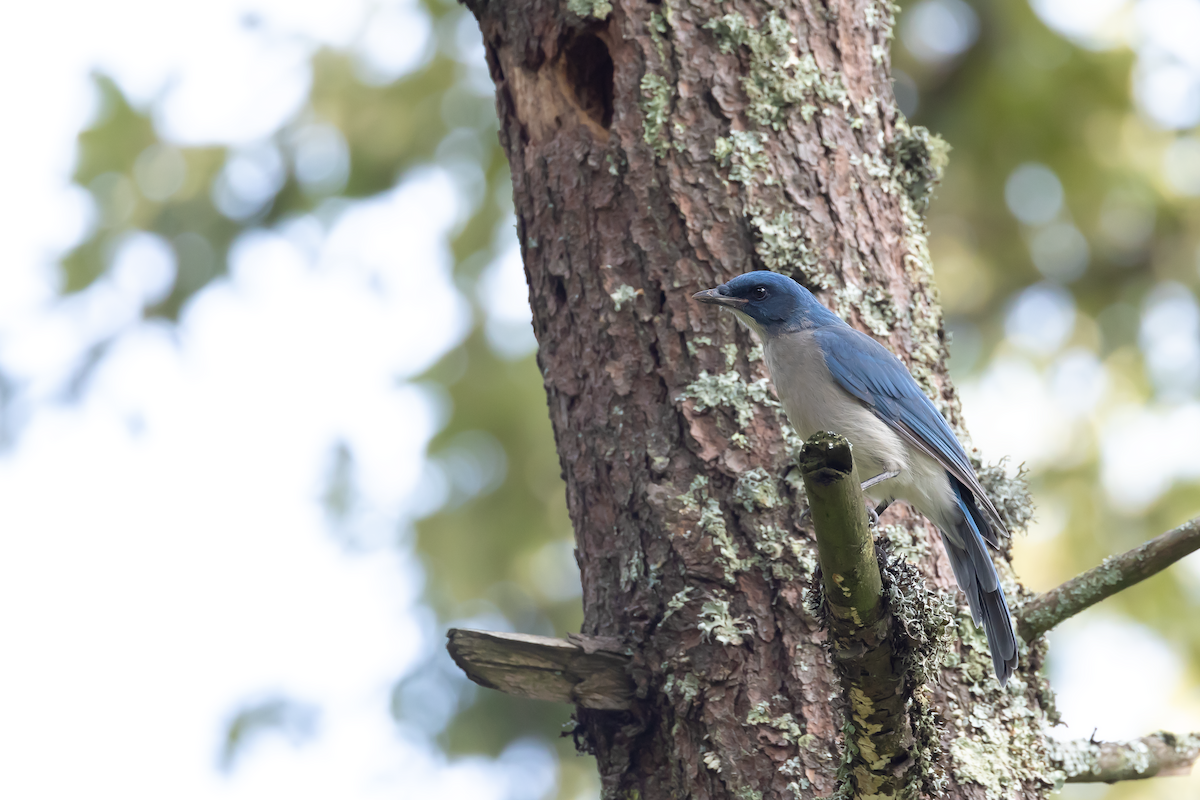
(584, 672)
(1157, 755)
(879, 736)
(1116, 574)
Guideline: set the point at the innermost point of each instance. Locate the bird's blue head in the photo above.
(770, 303)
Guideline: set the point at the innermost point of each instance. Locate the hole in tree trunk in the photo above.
(560, 291)
(589, 73)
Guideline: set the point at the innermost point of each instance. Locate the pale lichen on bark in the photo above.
(657, 96)
(756, 490)
(590, 9)
(744, 154)
(623, 295)
(777, 79)
(730, 390)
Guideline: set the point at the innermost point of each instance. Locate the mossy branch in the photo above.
(1160, 754)
(853, 586)
(586, 671)
(860, 628)
(1116, 574)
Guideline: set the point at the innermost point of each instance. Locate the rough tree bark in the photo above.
(658, 149)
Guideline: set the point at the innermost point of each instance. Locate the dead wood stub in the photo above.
(543, 668)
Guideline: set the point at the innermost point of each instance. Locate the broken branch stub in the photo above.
(544, 668)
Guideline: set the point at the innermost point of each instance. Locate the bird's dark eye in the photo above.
(758, 292)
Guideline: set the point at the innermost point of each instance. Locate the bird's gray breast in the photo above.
(814, 402)
(810, 396)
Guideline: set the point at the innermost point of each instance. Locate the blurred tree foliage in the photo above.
(1022, 95)
(499, 550)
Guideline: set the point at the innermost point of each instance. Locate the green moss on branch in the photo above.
(844, 542)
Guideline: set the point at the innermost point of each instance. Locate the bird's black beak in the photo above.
(716, 298)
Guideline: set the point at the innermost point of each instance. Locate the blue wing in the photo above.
(870, 372)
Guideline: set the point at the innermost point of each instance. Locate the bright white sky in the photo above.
(165, 557)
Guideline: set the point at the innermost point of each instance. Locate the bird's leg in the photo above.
(873, 513)
(880, 478)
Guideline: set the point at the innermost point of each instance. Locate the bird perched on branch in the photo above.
(831, 377)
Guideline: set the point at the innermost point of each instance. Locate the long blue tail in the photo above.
(976, 576)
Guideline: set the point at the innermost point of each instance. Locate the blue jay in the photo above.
(831, 377)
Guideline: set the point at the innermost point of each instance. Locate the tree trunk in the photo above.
(658, 149)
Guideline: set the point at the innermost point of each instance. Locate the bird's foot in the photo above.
(873, 514)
